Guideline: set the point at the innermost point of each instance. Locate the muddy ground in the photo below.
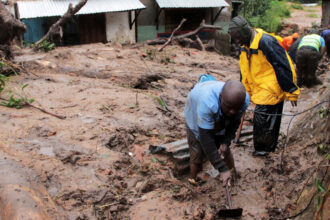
(96, 163)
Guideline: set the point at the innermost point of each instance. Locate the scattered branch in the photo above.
(183, 37)
(47, 112)
(200, 42)
(310, 176)
(171, 37)
(21, 104)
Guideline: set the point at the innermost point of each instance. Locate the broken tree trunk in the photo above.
(10, 28)
(171, 37)
(184, 37)
(199, 41)
(56, 28)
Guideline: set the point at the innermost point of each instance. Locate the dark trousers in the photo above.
(327, 44)
(266, 128)
(307, 62)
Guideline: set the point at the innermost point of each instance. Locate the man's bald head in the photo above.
(232, 97)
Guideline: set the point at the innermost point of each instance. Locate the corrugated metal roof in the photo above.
(48, 8)
(191, 3)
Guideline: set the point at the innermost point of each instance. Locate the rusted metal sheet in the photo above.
(178, 152)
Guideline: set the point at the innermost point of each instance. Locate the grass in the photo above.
(313, 15)
(297, 7)
(311, 10)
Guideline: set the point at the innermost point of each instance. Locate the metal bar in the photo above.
(217, 15)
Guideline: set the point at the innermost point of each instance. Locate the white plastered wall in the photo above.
(117, 27)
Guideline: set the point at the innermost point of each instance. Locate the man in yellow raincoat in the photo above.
(269, 77)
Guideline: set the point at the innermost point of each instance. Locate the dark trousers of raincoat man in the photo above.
(267, 123)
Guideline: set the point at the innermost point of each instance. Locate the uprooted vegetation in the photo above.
(117, 102)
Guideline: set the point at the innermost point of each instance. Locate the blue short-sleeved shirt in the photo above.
(325, 33)
(202, 108)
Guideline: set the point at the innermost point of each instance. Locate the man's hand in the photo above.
(226, 177)
(223, 150)
(294, 103)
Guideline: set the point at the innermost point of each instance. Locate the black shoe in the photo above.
(260, 153)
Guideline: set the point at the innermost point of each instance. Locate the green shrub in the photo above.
(311, 10)
(45, 46)
(297, 7)
(266, 14)
(312, 15)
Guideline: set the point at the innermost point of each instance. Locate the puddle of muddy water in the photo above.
(48, 151)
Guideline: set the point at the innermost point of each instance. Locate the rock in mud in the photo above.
(22, 196)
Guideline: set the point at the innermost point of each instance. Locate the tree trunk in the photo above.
(10, 27)
(325, 22)
(57, 27)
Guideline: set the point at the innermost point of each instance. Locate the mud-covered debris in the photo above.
(71, 153)
(178, 152)
(145, 186)
(121, 139)
(156, 149)
(40, 131)
(144, 82)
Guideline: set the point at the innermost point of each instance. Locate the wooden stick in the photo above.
(318, 213)
(107, 205)
(310, 176)
(43, 110)
(238, 133)
(47, 112)
(171, 37)
(200, 43)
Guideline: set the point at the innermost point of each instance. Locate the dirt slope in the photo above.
(110, 97)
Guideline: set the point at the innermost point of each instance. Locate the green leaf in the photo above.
(328, 157)
(319, 186)
(24, 86)
(155, 160)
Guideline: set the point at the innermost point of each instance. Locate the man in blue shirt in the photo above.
(213, 111)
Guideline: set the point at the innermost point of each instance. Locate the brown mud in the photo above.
(95, 163)
(118, 100)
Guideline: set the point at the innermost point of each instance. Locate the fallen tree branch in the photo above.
(201, 27)
(47, 112)
(171, 37)
(200, 43)
(184, 37)
(41, 109)
(56, 27)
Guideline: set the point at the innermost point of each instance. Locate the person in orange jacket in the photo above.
(289, 40)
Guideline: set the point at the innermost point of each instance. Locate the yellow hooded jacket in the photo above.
(267, 71)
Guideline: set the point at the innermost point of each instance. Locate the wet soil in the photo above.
(306, 18)
(117, 100)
